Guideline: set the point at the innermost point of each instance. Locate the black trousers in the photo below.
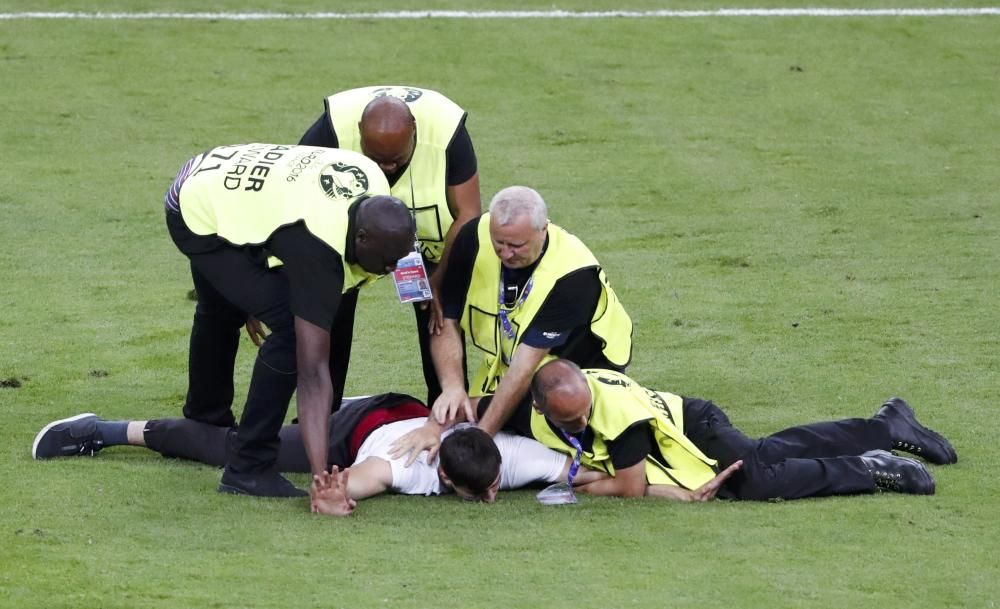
(232, 283)
(423, 317)
(805, 461)
(210, 444)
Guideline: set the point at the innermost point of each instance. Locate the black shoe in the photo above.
(263, 484)
(72, 437)
(898, 474)
(908, 435)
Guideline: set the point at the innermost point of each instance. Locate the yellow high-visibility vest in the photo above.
(480, 318)
(423, 186)
(619, 403)
(244, 193)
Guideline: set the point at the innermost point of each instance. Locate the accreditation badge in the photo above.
(410, 277)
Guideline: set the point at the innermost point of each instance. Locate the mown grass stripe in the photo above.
(551, 14)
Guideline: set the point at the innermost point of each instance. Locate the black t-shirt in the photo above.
(632, 446)
(460, 155)
(562, 324)
(315, 273)
(629, 448)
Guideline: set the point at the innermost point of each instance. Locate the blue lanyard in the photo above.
(575, 465)
(504, 321)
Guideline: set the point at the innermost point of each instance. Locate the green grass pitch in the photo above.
(800, 213)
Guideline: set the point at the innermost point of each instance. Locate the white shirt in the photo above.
(523, 460)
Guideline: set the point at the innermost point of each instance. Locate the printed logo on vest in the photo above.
(609, 380)
(406, 94)
(342, 181)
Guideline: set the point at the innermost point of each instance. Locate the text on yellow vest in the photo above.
(244, 193)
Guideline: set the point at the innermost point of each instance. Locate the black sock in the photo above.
(113, 433)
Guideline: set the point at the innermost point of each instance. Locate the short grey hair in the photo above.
(514, 201)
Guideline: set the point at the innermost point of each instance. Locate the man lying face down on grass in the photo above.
(470, 463)
(663, 444)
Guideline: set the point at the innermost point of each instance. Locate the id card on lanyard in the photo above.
(410, 277)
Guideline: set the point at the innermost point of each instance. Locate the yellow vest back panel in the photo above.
(244, 193)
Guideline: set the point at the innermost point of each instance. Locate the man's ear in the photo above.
(444, 478)
(490, 496)
(361, 236)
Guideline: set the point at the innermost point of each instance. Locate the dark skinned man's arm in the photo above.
(465, 204)
(314, 392)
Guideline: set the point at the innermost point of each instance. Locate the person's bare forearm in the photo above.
(705, 492)
(669, 492)
(371, 477)
(465, 204)
(449, 238)
(313, 399)
(512, 389)
(610, 487)
(447, 353)
(502, 406)
(628, 482)
(314, 390)
(586, 475)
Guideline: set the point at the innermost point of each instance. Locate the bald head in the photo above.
(388, 134)
(386, 114)
(384, 232)
(384, 215)
(561, 394)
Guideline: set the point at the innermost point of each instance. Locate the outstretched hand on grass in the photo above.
(328, 493)
(705, 492)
